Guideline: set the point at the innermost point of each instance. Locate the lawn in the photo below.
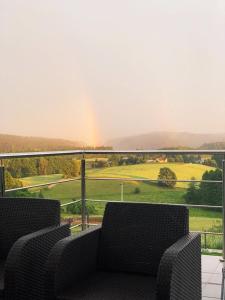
(40, 179)
(150, 171)
(200, 219)
(111, 190)
(205, 224)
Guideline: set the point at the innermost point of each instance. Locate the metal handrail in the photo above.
(209, 232)
(83, 152)
(39, 154)
(153, 180)
(69, 203)
(109, 179)
(181, 204)
(75, 226)
(42, 184)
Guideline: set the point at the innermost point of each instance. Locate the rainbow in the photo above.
(92, 132)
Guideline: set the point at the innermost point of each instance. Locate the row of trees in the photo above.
(24, 167)
(116, 160)
(184, 158)
(11, 182)
(19, 168)
(209, 193)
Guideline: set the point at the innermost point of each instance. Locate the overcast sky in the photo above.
(93, 70)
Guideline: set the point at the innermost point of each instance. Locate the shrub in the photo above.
(137, 190)
(209, 193)
(11, 182)
(76, 208)
(192, 195)
(165, 176)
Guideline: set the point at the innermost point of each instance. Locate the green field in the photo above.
(111, 190)
(41, 179)
(151, 171)
(200, 219)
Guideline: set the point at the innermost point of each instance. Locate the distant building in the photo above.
(161, 160)
(150, 161)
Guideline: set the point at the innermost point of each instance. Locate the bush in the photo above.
(171, 159)
(22, 194)
(165, 176)
(210, 163)
(76, 208)
(209, 193)
(137, 190)
(11, 182)
(192, 195)
(179, 158)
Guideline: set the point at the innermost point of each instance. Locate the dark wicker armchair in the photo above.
(142, 251)
(29, 228)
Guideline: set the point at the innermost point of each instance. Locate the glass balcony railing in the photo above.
(107, 175)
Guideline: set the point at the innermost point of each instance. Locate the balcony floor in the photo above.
(211, 277)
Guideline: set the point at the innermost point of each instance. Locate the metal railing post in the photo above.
(122, 188)
(2, 181)
(83, 194)
(223, 204)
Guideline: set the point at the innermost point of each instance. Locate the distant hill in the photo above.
(14, 143)
(213, 146)
(157, 140)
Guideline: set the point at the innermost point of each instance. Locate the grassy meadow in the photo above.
(40, 179)
(200, 219)
(150, 171)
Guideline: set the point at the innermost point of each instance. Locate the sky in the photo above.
(96, 70)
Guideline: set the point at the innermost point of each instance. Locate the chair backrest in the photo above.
(21, 216)
(135, 235)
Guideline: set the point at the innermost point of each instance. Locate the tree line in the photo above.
(208, 192)
(24, 167)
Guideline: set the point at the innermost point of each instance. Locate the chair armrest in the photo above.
(22, 216)
(179, 273)
(70, 260)
(25, 264)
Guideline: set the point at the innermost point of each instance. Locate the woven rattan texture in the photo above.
(135, 236)
(26, 262)
(73, 272)
(71, 259)
(179, 275)
(113, 286)
(21, 216)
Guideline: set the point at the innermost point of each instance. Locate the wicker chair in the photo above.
(142, 251)
(29, 228)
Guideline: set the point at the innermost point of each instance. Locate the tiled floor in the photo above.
(211, 277)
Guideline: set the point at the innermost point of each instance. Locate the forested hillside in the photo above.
(14, 143)
(156, 140)
(67, 166)
(213, 146)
